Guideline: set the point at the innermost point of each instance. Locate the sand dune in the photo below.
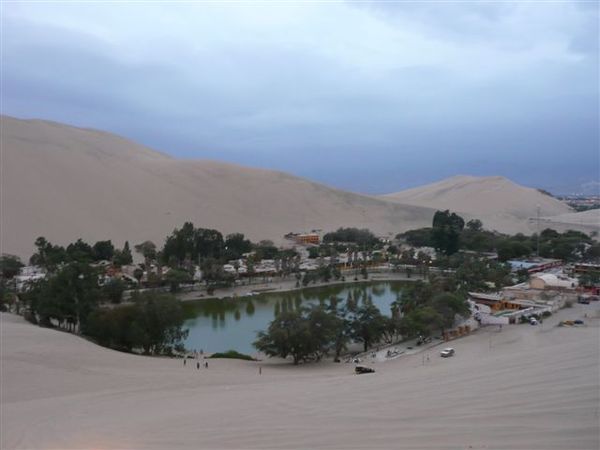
(532, 388)
(586, 221)
(501, 204)
(64, 183)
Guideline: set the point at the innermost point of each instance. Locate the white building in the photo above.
(552, 281)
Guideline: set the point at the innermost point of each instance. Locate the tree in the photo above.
(160, 321)
(67, 297)
(113, 290)
(446, 231)
(123, 257)
(175, 277)
(417, 238)
(236, 245)
(287, 335)
(103, 251)
(48, 256)
(153, 323)
(138, 274)
(474, 225)
(303, 334)
(80, 251)
(366, 324)
(193, 243)
(10, 266)
(362, 237)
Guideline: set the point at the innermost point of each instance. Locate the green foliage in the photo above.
(67, 297)
(153, 323)
(236, 245)
(113, 290)
(305, 334)
(123, 257)
(446, 231)
(420, 237)
(265, 250)
(361, 237)
(474, 225)
(175, 277)
(366, 324)
(103, 251)
(232, 354)
(47, 255)
(192, 243)
(313, 252)
(80, 251)
(427, 307)
(10, 266)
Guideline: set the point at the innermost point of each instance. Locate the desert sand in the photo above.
(499, 203)
(64, 183)
(527, 387)
(587, 221)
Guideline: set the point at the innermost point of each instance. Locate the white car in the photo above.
(447, 352)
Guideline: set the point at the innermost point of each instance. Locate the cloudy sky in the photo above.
(367, 96)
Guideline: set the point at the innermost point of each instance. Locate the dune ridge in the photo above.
(64, 183)
(500, 203)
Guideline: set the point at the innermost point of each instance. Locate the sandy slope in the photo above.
(586, 221)
(497, 201)
(63, 183)
(535, 388)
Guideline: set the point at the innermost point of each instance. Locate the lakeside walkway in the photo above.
(288, 285)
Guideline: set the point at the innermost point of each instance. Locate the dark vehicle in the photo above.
(584, 299)
(363, 369)
(578, 322)
(423, 340)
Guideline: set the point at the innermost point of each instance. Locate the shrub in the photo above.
(232, 354)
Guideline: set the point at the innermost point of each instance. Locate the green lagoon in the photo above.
(231, 324)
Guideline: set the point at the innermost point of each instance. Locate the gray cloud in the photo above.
(370, 97)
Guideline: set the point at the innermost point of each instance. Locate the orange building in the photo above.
(308, 238)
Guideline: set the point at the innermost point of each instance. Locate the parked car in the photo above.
(583, 299)
(363, 369)
(447, 352)
(533, 321)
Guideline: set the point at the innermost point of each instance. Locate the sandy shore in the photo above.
(527, 387)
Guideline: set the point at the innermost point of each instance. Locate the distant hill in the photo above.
(587, 221)
(498, 202)
(64, 183)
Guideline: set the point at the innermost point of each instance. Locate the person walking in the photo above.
(198, 365)
(206, 364)
(260, 370)
(184, 360)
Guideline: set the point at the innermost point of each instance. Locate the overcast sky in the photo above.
(371, 96)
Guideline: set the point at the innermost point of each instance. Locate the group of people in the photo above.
(195, 355)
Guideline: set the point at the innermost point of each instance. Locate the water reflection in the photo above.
(221, 325)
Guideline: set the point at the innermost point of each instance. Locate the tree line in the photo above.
(309, 334)
(449, 234)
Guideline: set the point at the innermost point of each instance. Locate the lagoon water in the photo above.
(232, 324)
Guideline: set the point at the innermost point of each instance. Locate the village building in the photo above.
(534, 265)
